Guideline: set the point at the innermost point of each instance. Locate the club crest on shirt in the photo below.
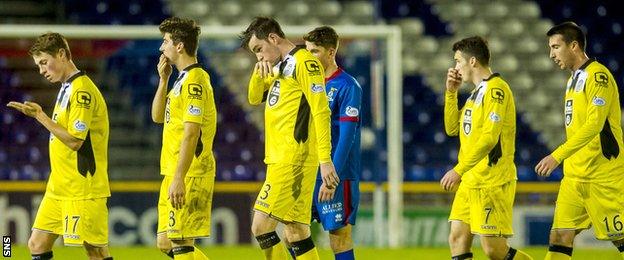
(274, 94)
(467, 123)
(568, 112)
(330, 94)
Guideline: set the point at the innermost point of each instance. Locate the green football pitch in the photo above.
(250, 253)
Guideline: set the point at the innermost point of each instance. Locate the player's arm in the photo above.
(451, 111)
(495, 103)
(259, 83)
(348, 121)
(600, 98)
(194, 96)
(311, 79)
(160, 98)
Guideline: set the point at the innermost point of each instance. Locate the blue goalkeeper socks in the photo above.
(346, 255)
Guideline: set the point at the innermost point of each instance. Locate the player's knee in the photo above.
(164, 245)
(297, 232)
(456, 239)
(494, 252)
(340, 240)
(37, 246)
(94, 252)
(562, 237)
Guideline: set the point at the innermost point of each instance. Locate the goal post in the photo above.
(391, 42)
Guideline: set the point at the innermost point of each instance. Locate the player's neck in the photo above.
(481, 74)
(185, 61)
(579, 60)
(331, 69)
(285, 47)
(69, 70)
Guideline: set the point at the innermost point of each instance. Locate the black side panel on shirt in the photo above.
(609, 145)
(264, 96)
(303, 118)
(86, 159)
(200, 145)
(495, 154)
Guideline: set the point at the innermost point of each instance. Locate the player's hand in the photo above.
(176, 193)
(546, 166)
(450, 180)
(264, 69)
(164, 68)
(453, 80)
(326, 194)
(30, 109)
(329, 175)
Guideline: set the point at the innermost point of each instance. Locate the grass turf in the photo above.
(251, 252)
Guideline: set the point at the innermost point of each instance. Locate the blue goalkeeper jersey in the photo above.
(345, 101)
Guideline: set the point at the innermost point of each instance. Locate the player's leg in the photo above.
(97, 252)
(460, 237)
(46, 228)
(341, 243)
(192, 220)
(300, 238)
(605, 207)
(40, 244)
(492, 213)
(263, 228)
(162, 241)
(296, 214)
(570, 218)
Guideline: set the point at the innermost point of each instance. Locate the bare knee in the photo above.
(340, 240)
(262, 224)
(296, 232)
(96, 252)
(460, 240)
(38, 244)
(494, 247)
(163, 243)
(562, 237)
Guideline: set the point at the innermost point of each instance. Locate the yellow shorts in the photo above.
(78, 221)
(583, 204)
(287, 192)
(193, 220)
(487, 210)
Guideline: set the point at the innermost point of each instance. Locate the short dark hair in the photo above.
(182, 30)
(324, 36)
(474, 46)
(50, 43)
(570, 32)
(261, 27)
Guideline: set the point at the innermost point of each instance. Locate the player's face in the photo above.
(50, 66)
(462, 65)
(319, 52)
(265, 50)
(168, 48)
(560, 51)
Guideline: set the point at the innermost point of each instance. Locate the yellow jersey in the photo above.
(77, 175)
(593, 149)
(486, 126)
(296, 115)
(191, 99)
